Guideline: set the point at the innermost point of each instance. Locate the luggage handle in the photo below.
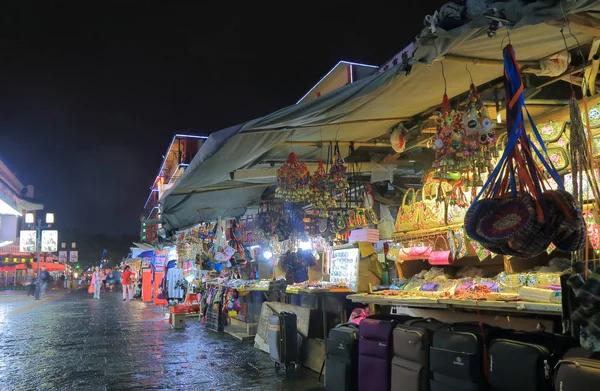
(471, 323)
(410, 322)
(349, 324)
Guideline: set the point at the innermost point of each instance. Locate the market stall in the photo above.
(467, 201)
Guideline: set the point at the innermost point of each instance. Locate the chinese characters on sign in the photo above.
(62, 256)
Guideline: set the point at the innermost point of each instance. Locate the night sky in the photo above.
(90, 96)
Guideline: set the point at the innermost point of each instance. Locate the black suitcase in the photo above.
(342, 358)
(410, 362)
(459, 357)
(525, 361)
(282, 335)
(579, 370)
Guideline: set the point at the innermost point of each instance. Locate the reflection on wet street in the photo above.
(74, 342)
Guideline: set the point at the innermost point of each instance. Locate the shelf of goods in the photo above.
(482, 305)
(249, 285)
(317, 287)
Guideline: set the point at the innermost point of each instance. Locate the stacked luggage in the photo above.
(375, 351)
(342, 358)
(400, 353)
(459, 357)
(410, 362)
(579, 370)
(526, 361)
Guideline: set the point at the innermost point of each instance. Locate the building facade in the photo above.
(181, 151)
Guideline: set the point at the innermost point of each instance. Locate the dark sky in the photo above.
(91, 95)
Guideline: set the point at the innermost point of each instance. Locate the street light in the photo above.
(29, 219)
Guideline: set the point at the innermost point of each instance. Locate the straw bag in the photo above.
(409, 215)
(434, 206)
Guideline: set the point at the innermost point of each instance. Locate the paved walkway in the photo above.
(73, 342)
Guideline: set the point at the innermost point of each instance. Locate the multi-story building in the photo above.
(15, 200)
(180, 153)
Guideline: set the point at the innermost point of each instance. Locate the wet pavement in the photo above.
(70, 341)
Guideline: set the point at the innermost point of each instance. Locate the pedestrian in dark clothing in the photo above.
(44, 279)
(30, 282)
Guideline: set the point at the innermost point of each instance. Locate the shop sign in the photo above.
(160, 260)
(17, 260)
(27, 241)
(73, 256)
(62, 256)
(49, 241)
(146, 261)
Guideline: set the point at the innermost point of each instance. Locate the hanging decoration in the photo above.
(292, 180)
(337, 172)
(320, 190)
(398, 140)
(465, 142)
(516, 214)
(448, 144)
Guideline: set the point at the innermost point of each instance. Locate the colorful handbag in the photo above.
(457, 206)
(434, 206)
(409, 215)
(441, 257)
(414, 253)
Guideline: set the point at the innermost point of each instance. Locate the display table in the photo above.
(483, 305)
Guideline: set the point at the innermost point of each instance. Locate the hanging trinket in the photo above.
(320, 190)
(337, 172)
(293, 180)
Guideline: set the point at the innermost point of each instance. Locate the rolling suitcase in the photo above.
(458, 357)
(282, 335)
(375, 351)
(525, 361)
(410, 361)
(579, 370)
(342, 358)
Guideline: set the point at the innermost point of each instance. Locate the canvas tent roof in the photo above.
(234, 166)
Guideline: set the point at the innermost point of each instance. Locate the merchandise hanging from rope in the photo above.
(465, 142)
(515, 213)
(292, 180)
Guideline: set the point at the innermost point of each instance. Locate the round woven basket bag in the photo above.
(571, 232)
(475, 213)
(511, 220)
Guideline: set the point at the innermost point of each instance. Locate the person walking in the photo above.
(126, 281)
(30, 282)
(97, 282)
(63, 279)
(44, 279)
